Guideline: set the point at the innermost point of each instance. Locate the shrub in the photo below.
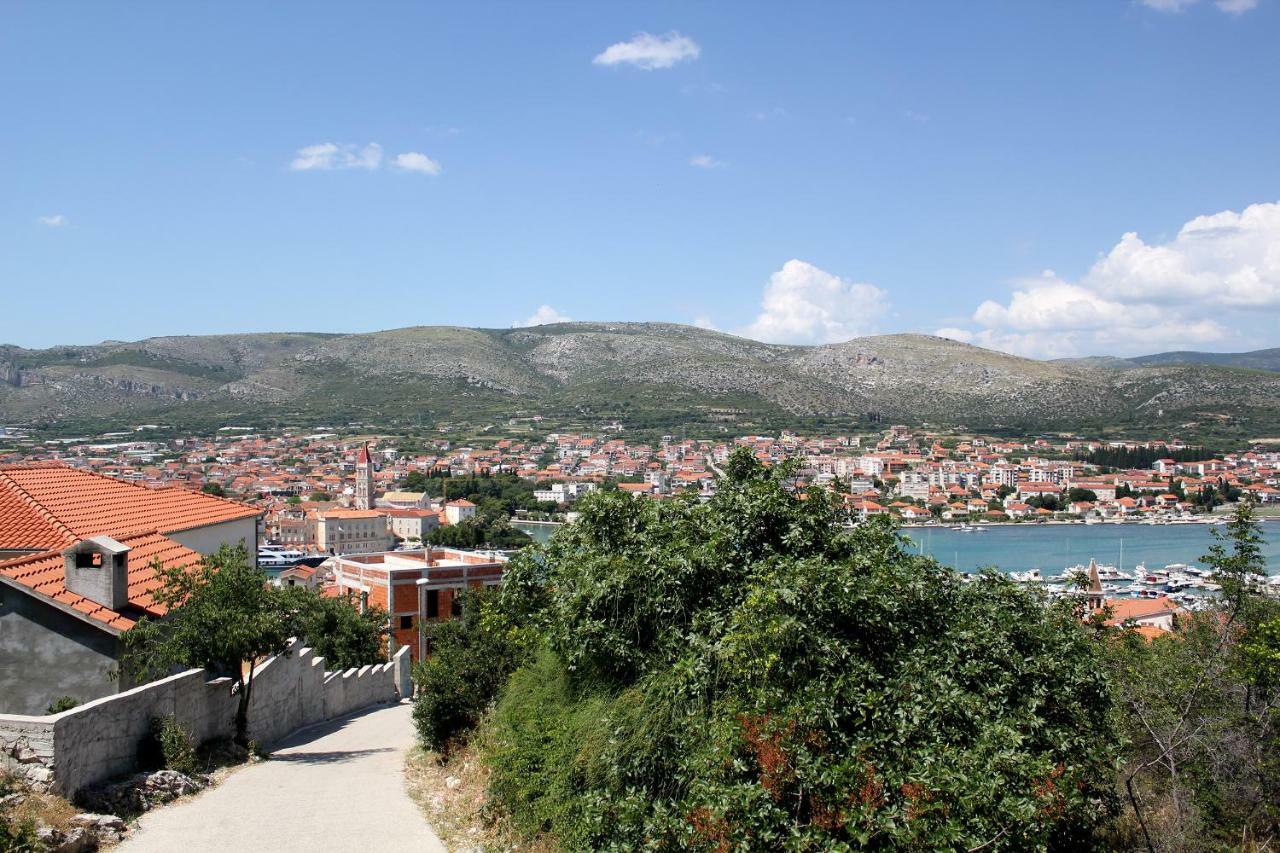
(168, 746)
(470, 660)
(62, 703)
(17, 835)
(744, 674)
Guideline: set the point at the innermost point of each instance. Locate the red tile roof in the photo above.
(50, 506)
(45, 575)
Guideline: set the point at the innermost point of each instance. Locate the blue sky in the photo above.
(794, 172)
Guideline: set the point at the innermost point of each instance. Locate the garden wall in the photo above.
(95, 741)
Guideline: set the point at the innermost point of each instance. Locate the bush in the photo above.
(336, 630)
(743, 674)
(168, 746)
(471, 658)
(62, 703)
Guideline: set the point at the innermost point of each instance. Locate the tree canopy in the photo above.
(746, 673)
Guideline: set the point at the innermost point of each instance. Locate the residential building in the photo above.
(415, 587)
(352, 531)
(78, 551)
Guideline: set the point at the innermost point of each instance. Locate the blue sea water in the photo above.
(1053, 547)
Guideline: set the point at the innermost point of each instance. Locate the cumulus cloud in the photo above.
(1231, 7)
(705, 161)
(331, 155)
(650, 52)
(1140, 296)
(803, 304)
(412, 161)
(57, 220)
(962, 335)
(544, 315)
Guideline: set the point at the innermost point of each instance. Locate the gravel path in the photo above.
(334, 786)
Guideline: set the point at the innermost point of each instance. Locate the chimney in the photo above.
(98, 569)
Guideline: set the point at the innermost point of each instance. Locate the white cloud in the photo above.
(1231, 7)
(544, 315)
(704, 322)
(1220, 270)
(963, 335)
(705, 161)
(412, 161)
(330, 155)
(650, 52)
(803, 304)
(57, 220)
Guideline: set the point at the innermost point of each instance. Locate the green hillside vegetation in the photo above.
(744, 674)
(646, 375)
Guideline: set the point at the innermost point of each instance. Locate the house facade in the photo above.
(77, 557)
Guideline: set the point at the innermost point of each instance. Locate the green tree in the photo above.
(214, 489)
(746, 674)
(223, 616)
(337, 631)
(470, 660)
(1075, 493)
(1199, 714)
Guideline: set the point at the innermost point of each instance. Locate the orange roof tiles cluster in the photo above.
(45, 575)
(47, 507)
(81, 503)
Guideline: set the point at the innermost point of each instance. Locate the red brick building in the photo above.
(415, 587)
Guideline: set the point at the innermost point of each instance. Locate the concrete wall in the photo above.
(46, 653)
(96, 741)
(207, 540)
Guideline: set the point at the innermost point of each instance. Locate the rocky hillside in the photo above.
(621, 368)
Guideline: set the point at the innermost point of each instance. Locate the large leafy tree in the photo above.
(335, 630)
(223, 616)
(747, 674)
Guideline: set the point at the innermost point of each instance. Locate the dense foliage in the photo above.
(1132, 458)
(485, 530)
(471, 658)
(223, 617)
(1199, 713)
(745, 674)
(336, 630)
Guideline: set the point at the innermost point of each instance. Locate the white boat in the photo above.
(1031, 576)
(275, 557)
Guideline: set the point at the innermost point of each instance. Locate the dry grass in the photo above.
(49, 809)
(453, 796)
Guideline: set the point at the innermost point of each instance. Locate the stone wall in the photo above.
(95, 741)
(26, 748)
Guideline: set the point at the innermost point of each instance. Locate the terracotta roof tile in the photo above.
(50, 506)
(45, 575)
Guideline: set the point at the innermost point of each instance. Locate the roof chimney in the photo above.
(98, 569)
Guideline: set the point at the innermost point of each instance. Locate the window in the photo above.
(433, 603)
(406, 623)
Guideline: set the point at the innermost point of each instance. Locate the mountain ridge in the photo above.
(623, 368)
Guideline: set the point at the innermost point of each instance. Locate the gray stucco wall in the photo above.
(46, 653)
(207, 540)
